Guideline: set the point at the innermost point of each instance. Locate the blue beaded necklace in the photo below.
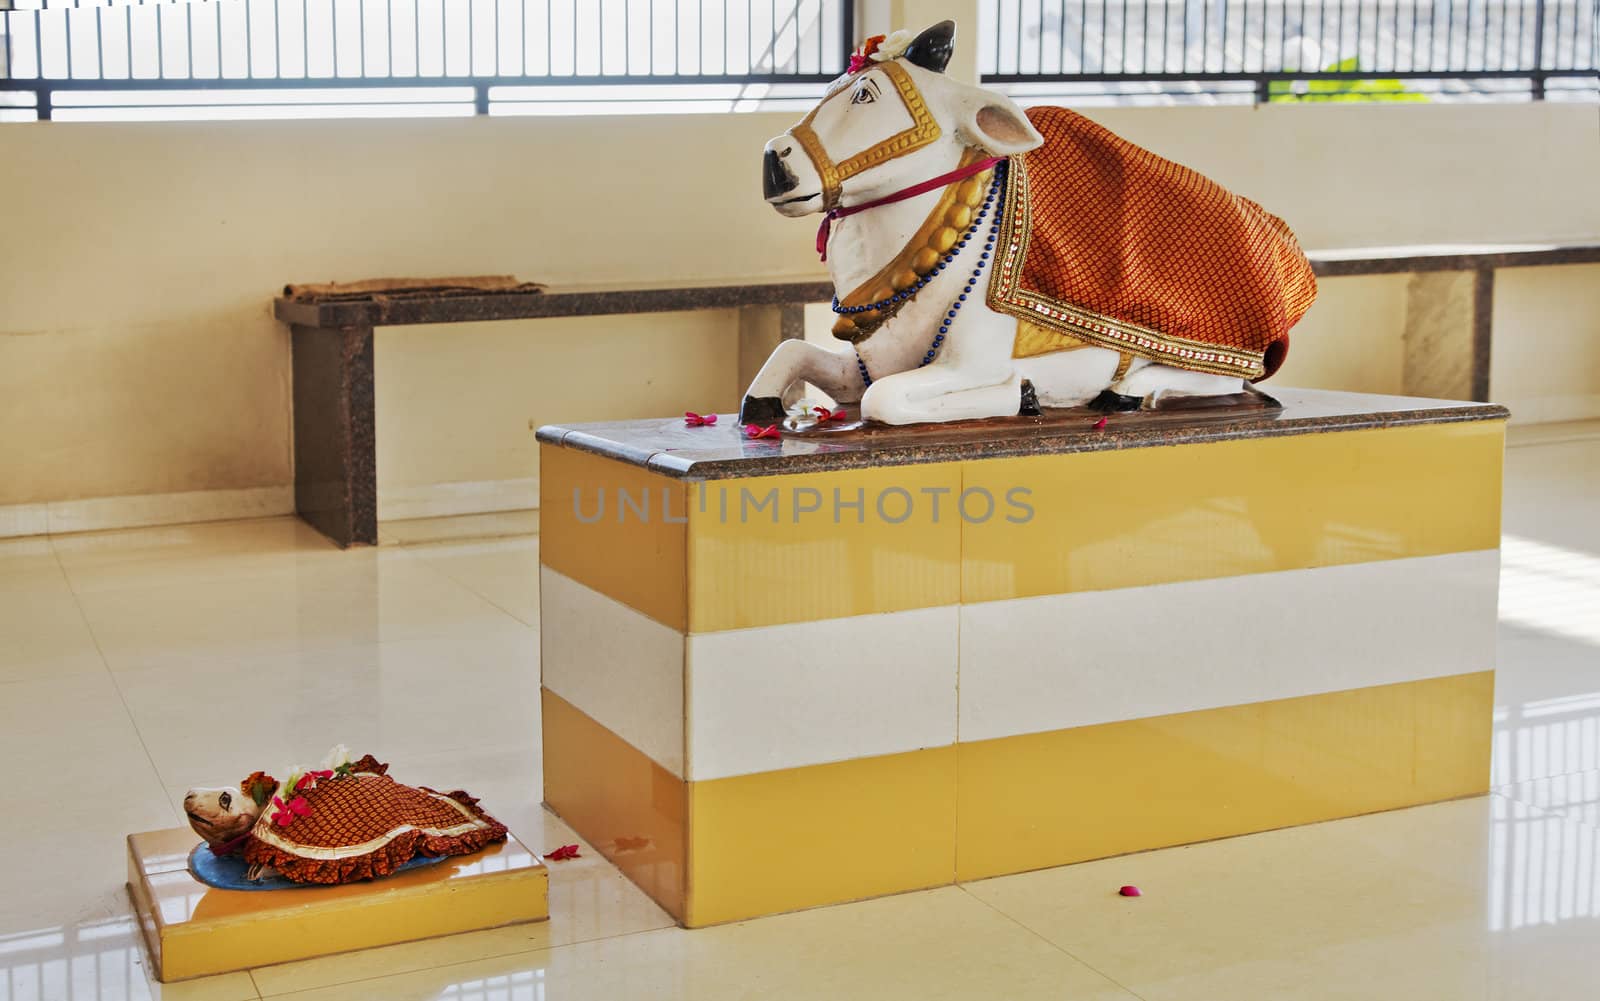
(996, 187)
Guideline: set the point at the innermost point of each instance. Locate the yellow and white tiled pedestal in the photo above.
(784, 674)
(194, 930)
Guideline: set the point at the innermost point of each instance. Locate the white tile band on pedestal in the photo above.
(752, 700)
(619, 666)
(1030, 665)
(737, 702)
(808, 693)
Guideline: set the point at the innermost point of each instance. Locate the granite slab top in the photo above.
(723, 451)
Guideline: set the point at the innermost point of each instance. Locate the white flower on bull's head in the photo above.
(338, 757)
(894, 45)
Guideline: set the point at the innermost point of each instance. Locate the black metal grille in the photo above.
(412, 56)
(1293, 49)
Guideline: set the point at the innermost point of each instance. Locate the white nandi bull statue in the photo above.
(986, 262)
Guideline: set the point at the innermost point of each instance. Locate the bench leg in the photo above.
(1448, 319)
(761, 330)
(335, 459)
(1482, 331)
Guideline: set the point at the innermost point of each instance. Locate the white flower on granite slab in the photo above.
(800, 415)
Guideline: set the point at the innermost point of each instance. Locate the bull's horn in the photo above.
(933, 48)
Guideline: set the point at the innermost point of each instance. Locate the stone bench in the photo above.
(334, 436)
(335, 460)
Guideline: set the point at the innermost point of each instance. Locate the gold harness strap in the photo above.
(1122, 367)
(938, 233)
(923, 131)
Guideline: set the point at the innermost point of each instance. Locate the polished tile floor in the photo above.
(134, 664)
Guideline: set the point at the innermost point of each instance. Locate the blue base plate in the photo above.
(227, 872)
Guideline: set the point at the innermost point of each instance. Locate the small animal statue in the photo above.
(344, 822)
(987, 261)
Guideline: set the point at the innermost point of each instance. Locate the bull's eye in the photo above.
(225, 800)
(862, 96)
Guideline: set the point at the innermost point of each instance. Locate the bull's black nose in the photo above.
(775, 177)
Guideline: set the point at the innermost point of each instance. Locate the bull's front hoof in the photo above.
(1113, 403)
(1030, 401)
(762, 410)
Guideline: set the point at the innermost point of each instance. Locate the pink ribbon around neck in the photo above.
(960, 173)
(229, 847)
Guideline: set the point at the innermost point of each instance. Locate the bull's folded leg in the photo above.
(1150, 382)
(917, 396)
(794, 362)
(1069, 378)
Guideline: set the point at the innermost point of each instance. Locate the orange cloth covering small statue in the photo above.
(1107, 243)
(341, 826)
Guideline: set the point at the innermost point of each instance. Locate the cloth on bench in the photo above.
(377, 289)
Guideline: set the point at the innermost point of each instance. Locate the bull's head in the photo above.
(893, 122)
(220, 815)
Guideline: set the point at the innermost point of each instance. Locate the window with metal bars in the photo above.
(170, 59)
(1166, 51)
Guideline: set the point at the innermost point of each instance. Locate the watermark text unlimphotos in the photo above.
(740, 504)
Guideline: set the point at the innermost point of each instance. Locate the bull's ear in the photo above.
(994, 123)
(933, 48)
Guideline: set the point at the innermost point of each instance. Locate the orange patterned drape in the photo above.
(1108, 243)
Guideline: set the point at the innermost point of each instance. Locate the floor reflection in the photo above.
(1544, 865)
(1551, 589)
(1543, 738)
(1542, 868)
(527, 985)
(1547, 717)
(96, 960)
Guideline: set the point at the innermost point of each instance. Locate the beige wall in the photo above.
(1350, 339)
(138, 356)
(458, 403)
(137, 350)
(1361, 175)
(1546, 360)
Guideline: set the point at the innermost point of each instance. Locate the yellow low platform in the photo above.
(787, 673)
(194, 930)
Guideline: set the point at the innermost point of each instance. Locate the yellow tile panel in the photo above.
(823, 834)
(630, 808)
(778, 549)
(195, 930)
(1140, 516)
(1453, 744)
(1049, 799)
(615, 528)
